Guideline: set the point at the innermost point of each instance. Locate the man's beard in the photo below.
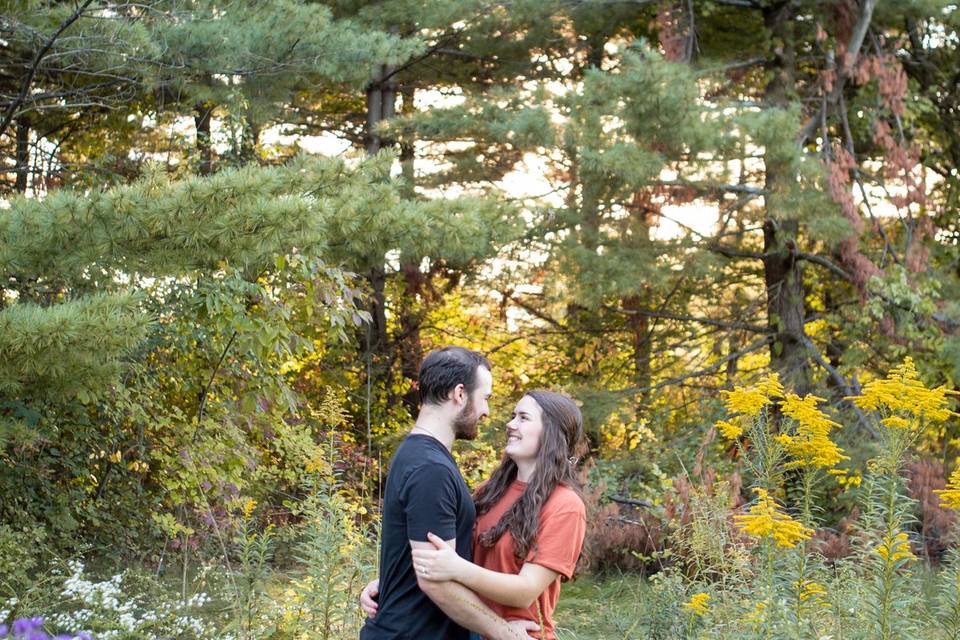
(465, 424)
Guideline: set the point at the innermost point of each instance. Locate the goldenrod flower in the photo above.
(757, 615)
(896, 422)
(950, 496)
(809, 589)
(750, 402)
(766, 520)
(698, 604)
(770, 386)
(811, 445)
(729, 430)
(898, 547)
(845, 478)
(902, 390)
(248, 506)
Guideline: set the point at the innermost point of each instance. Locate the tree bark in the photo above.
(411, 316)
(638, 326)
(201, 118)
(22, 154)
(381, 97)
(782, 270)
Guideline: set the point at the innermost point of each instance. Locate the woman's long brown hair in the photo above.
(560, 443)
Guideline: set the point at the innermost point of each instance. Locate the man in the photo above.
(425, 492)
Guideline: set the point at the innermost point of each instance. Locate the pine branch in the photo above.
(533, 310)
(737, 326)
(730, 252)
(706, 371)
(25, 87)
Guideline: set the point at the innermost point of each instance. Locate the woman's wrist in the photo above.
(469, 572)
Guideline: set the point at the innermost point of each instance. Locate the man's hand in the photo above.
(519, 629)
(368, 597)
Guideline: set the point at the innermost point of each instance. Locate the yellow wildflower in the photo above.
(811, 445)
(729, 430)
(845, 478)
(765, 520)
(248, 506)
(810, 590)
(757, 615)
(896, 422)
(750, 401)
(770, 386)
(898, 547)
(698, 604)
(902, 390)
(950, 496)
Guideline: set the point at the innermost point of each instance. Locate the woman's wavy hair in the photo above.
(561, 443)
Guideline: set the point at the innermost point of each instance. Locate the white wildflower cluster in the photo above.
(105, 607)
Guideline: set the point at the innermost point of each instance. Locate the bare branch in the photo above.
(846, 387)
(853, 50)
(823, 262)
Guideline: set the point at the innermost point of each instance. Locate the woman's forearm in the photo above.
(513, 590)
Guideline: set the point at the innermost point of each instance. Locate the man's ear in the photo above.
(459, 394)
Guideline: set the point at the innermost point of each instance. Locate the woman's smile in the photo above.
(523, 431)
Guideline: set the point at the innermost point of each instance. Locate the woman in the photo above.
(530, 517)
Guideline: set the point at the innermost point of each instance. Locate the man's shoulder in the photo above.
(416, 451)
(423, 460)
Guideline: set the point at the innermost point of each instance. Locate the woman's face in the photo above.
(524, 430)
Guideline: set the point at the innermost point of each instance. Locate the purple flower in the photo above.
(32, 629)
(23, 626)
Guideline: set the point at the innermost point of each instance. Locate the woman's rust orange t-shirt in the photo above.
(559, 539)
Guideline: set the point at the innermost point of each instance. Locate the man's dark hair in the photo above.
(444, 369)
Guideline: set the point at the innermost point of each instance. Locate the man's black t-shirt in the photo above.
(425, 493)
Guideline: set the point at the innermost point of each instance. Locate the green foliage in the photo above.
(62, 352)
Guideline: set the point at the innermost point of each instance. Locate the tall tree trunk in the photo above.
(381, 106)
(201, 118)
(643, 214)
(411, 314)
(782, 272)
(638, 327)
(23, 154)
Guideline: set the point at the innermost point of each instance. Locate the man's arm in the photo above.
(464, 607)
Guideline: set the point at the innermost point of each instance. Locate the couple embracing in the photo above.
(490, 563)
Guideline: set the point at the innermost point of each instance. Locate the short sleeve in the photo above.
(560, 537)
(429, 499)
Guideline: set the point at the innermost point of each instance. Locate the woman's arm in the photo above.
(514, 590)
